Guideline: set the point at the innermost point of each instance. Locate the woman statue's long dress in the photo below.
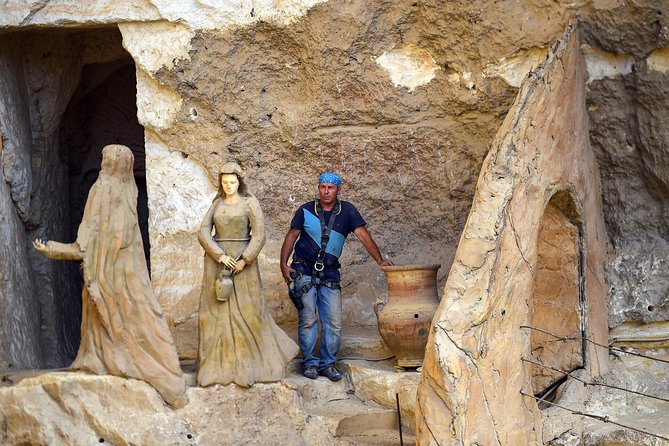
(239, 341)
(123, 331)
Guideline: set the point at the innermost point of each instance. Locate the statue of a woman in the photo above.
(123, 331)
(239, 341)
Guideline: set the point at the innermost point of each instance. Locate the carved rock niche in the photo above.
(531, 256)
(556, 304)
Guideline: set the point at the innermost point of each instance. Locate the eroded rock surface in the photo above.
(79, 409)
(289, 88)
(475, 387)
(642, 412)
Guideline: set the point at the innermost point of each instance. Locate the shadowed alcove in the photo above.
(101, 111)
(78, 93)
(558, 301)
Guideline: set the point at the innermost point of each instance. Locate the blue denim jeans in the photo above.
(328, 303)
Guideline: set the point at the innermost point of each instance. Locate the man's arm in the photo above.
(286, 250)
(370, 245)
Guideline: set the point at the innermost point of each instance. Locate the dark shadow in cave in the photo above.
(102, 111)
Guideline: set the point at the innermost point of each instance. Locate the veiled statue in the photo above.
(123, 331)
(239, 341)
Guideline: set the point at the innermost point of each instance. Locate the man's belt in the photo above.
(310, 266)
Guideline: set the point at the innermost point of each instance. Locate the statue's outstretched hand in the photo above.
(387, 262)
(40, 245)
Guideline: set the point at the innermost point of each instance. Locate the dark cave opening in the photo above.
(103, 111)
(81, 90)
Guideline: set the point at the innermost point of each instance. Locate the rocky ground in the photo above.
(61, 408)
(618, 407)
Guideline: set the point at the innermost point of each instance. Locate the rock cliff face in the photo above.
(402, 98)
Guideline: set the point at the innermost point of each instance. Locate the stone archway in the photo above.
(557, 303)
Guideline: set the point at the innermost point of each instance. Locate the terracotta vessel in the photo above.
(404, 321)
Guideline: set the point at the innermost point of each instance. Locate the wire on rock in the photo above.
(579, 338)
(602, 418)
(591, 383)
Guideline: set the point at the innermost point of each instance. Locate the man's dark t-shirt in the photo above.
(309, 244)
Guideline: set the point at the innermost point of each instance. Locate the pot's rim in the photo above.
(411, 267)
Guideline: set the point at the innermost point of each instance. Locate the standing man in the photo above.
(320, 228)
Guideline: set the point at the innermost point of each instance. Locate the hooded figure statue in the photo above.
(123, 332)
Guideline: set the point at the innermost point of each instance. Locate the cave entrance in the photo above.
(80, 85)
(558, 300)
(102, 111)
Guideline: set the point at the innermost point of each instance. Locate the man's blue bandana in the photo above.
(329, 177)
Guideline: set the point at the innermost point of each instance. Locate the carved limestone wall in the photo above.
(556, 305)
(19, 313)
(402, 99)
(473, 376)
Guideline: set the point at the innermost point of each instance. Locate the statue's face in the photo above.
(229, 183)
(116, 160)
(327, 193)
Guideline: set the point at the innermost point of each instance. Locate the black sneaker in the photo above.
(310, 372)
(331, 372)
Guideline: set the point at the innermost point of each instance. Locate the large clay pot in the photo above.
(404, 321)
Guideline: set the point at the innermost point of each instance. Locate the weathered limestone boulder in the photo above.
(474, 376)
(79, 409)
(381, 383)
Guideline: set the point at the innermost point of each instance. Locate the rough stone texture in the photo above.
(19, 312)
(57, 408)
(643, 336)
(50, 82)
(473, 376)
(556, 303)
(207, 15)
(627, 107)
(177, 209)
(316, 99)
(320, 101)
(630, 135)
(409, 66)
(380, 384)
(289, 88)
(78, 409)
(641, 412)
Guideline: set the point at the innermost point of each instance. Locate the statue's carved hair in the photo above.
(233, 168)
